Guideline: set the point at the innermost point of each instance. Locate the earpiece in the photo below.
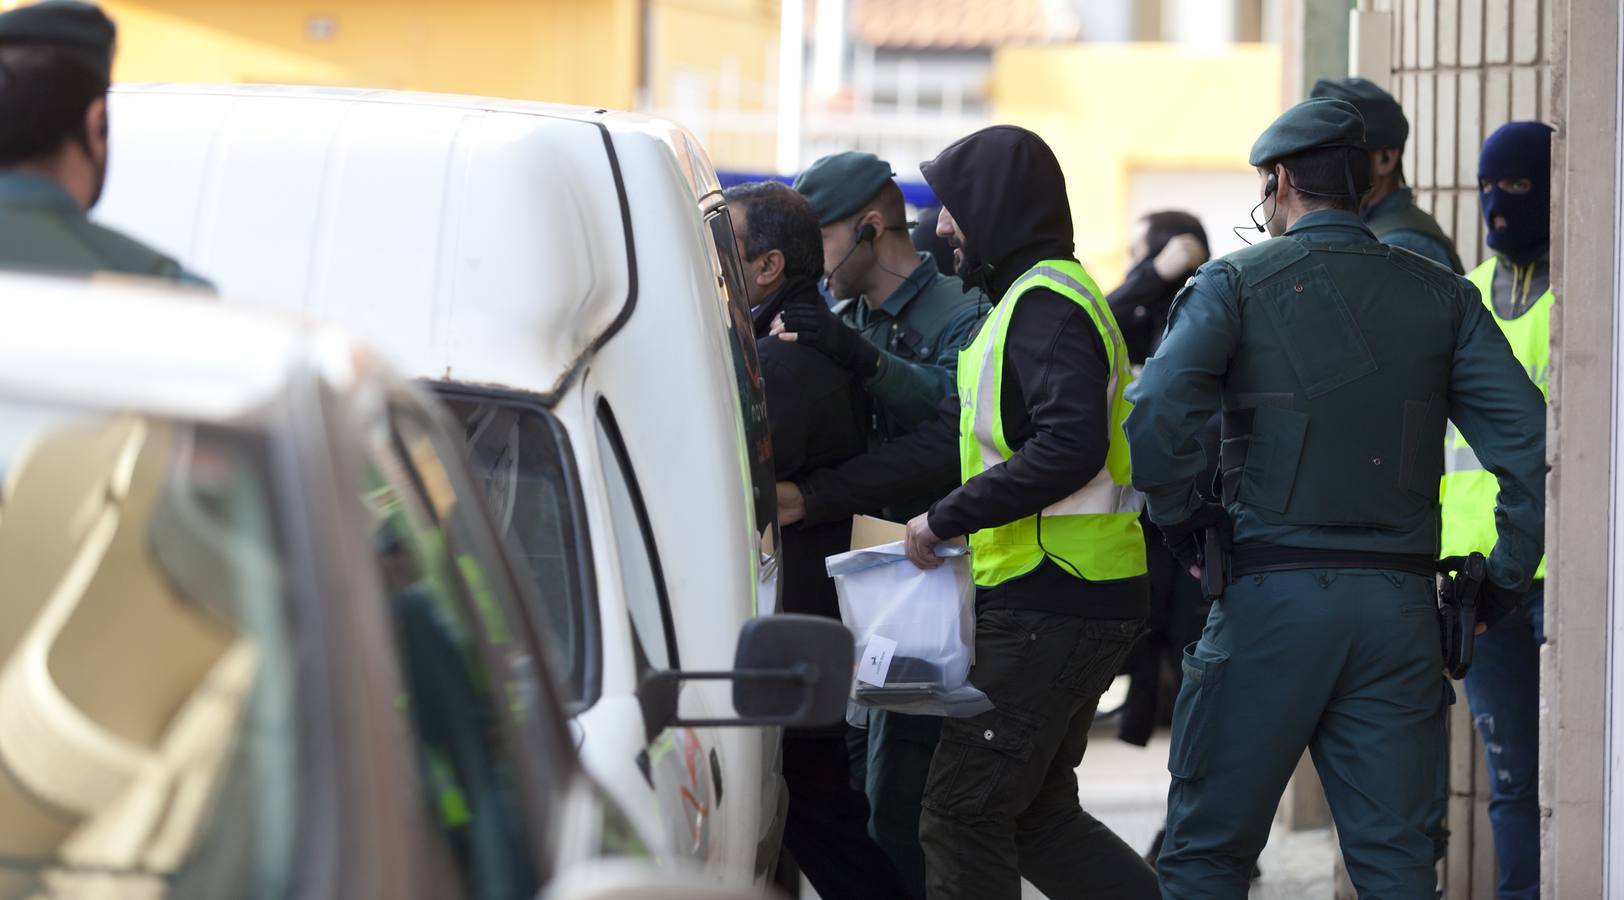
(1271, 184)
(865, 232)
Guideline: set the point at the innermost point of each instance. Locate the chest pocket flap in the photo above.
(1316, 329)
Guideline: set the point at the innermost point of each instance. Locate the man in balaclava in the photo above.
(1514, 175)
(1057, 556)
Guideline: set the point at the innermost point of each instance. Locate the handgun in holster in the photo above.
(1461, 581)
(1214, 564)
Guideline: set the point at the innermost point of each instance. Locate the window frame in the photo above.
(544, 756)
(591, 638)
(609, 428)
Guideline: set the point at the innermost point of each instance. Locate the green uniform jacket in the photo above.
(1489, 398)
(1397, 221)
(42, 229)
(920, 330)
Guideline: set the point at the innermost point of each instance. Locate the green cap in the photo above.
(838, 185)
(1321, 122)
(80, 28)
(1385, 125)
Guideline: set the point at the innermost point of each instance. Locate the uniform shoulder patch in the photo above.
(1263, 260)
(1424, 269)
(121, 253)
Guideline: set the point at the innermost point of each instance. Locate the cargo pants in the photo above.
(1001, 798)
(1344, 662)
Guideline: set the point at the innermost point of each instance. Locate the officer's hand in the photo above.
(1494, 603)
(1182, 255)
(816, 325)
(1184, 538)
(791, 503)
(922, 543)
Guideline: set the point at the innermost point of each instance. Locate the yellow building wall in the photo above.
(723, 54)
(568, 51)
(1109, 110)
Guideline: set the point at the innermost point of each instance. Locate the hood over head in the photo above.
(1004, 188)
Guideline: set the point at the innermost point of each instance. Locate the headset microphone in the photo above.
(1270, 186)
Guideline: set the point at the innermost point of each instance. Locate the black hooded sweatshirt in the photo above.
(1004, 188)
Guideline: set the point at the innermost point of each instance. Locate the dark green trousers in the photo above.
(897, 754)
(1001, 798)
(1345, 663)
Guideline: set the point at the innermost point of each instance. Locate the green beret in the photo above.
(79, 28)
(1385, 125)
(1321, 122)
(840, 184)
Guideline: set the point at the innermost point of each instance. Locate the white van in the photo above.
(567, 279)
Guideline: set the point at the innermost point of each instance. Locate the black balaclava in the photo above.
(1518, 150)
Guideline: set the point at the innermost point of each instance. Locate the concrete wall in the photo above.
(1462, 68)
(1577, 682)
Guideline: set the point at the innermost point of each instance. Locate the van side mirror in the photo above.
(788, 670)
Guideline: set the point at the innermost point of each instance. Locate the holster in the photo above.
(1462, 579)
(1214, 563)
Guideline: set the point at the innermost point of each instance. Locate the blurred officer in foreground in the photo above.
(1514, 175)
(1057, 553)
(1337, 362)
(1389, 208)
(901, 336)
(819, 417)
(55, 61)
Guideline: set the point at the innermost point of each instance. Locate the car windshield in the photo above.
(520, 460)
(147, 728)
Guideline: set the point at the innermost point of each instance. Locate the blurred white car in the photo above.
(566, 279)
(258, 639)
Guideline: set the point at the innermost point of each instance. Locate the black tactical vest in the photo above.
(1335, 402)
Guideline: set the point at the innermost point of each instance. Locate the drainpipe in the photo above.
(791, 77)
(1370, 44)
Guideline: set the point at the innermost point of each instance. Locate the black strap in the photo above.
(1252, 558)
(1237, 439)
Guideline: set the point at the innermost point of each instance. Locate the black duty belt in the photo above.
(1252, 558)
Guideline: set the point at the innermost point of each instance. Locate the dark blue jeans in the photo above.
(1503, 689)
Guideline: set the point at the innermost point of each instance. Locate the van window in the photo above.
(467, 680)
(746, 367)
(521, 461)
(640, 575)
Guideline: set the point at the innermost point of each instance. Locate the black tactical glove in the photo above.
(1495, 602)
(816, 326)
(1185, 538)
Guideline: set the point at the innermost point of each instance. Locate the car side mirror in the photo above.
(789, 670)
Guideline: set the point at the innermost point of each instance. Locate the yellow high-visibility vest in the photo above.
(1092, 534)
(1467, 489)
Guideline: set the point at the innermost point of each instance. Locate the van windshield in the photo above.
(520, 460)
(147, 709)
